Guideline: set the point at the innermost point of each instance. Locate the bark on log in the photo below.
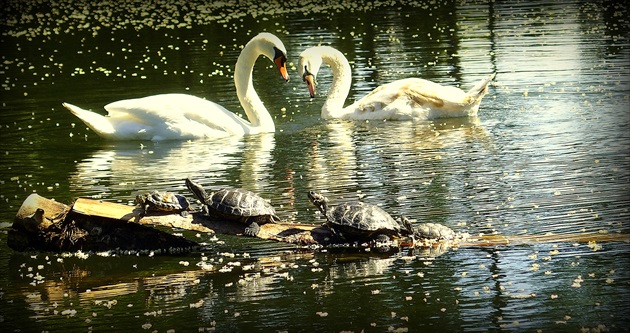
(94, 225)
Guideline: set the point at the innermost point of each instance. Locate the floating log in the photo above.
(46, 225)
(96, 225)
(303, 234)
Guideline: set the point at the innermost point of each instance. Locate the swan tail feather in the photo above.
(481, 88)
(98, 123)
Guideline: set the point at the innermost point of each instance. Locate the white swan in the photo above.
(403, 99)
(181, 116)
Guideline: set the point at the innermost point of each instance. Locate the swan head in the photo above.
(308, 66)
(273, 48)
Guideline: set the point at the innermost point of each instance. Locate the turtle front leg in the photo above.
(336, 234)
(145, 209)
(252, 229)
(382, 241)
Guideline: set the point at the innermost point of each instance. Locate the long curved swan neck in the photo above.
(254, 108)
(342, 81)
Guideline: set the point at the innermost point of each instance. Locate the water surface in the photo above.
(548, 153)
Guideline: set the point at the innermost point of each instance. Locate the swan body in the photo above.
(182, 116)
(404, 99)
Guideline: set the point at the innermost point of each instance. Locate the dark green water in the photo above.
(549, 152)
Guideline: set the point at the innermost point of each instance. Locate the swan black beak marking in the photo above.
(310, 82)
(281, 62)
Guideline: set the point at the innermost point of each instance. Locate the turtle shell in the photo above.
(434, 231)
(162, 201)
(361, 220)
(239, 204)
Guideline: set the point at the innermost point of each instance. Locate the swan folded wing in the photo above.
(93, 120)
(176, 116)
(413, 99)
(433, 95)
(403, 99)
(481, 88)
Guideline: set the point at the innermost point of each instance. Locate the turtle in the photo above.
(434, 231)
(236, 204)
(160, 201)
(360, 221)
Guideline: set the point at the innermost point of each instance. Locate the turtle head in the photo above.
(405, 223)
(407, 230)
(196, 189)
(141, 198)
(319, 200)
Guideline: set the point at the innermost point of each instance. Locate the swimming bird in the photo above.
(405, 99)
(183, 116)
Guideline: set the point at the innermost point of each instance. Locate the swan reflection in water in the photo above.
(257, 162)
(124, 168)
(389, 163)
(332, 158)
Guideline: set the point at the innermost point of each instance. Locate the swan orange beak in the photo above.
(310, 83)
(281, 63)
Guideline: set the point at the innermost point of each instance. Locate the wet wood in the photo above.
(96, 225)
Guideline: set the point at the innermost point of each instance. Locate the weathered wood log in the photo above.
(47, 225)
(95, 225)
(303, 234)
